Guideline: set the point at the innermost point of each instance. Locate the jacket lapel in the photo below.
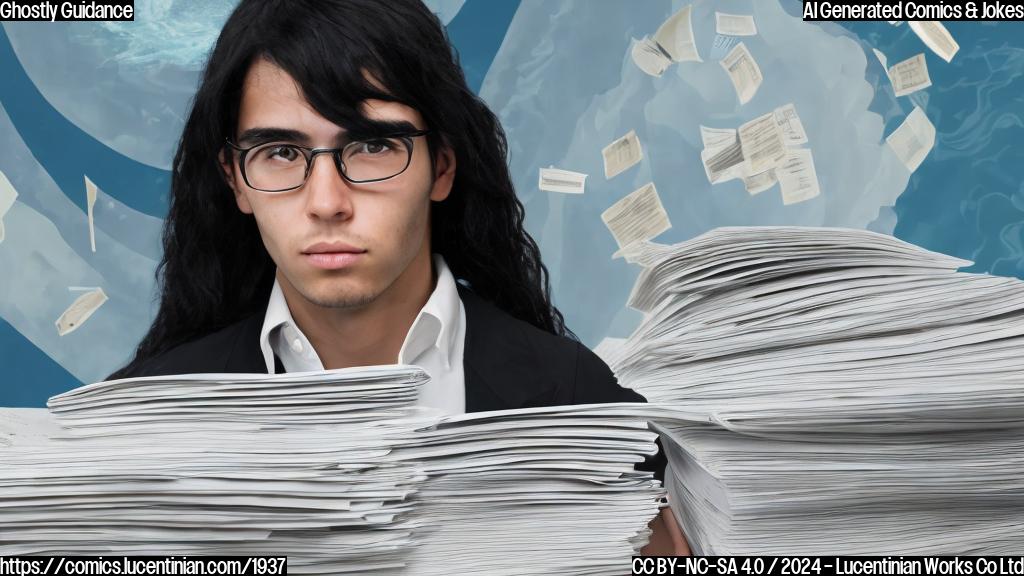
(499, 360)
(246, 355)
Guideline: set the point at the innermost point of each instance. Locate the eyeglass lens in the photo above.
(279, 166)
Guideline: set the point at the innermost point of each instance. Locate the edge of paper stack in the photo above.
(337, 470)
(838, 392)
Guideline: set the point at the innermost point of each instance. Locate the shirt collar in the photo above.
(436, 324)
(277, 315)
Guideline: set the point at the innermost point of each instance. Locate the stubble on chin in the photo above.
(340, 297)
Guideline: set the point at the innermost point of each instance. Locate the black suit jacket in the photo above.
(507, 363)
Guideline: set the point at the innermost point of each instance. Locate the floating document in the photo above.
(672, 42)
(649, 57)
(908, 76)
(638, 216)
(675, 37)
(80, 311)
(757, 183)
(798, 179)
(913, 140)
(789, 122)
(90, 200)
(724, 162)
(743, 71)
(762, 143)
(621, 154)
(936, 37)
(735, 24)
(7, 197)
(555, 180)
(716, 137)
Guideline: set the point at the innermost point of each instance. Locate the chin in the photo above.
(331, 295)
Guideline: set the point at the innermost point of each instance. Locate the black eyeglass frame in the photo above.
(311, 153)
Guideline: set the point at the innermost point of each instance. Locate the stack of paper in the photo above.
(835, 391)
(294, 465)
(534, 491)
(337, 470)
(332, 397)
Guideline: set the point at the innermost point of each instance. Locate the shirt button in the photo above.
(297, 346)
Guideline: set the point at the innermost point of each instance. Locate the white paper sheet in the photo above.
(623, 153)
(907, 76)
(762, 142)
(743, 71)
(757, 183)
(638, 216)
(90, 201)
(555, 180)
(675, 36)
(936, 37)
(789, 122)
(716, 137)
(798, 179)
(735, 24)
(7, 197)
(649, 57)
(79, 311)
(913, 140)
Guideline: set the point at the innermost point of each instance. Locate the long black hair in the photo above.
(215, 270)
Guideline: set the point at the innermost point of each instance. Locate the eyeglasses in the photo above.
(279, 166)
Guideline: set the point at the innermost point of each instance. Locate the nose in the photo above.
(328, 196)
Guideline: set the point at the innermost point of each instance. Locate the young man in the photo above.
(340, 198)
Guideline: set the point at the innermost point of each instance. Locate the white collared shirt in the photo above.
(435, 342)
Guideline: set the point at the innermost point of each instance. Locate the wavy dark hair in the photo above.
(215, 270)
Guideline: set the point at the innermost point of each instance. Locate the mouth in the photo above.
(332, 255)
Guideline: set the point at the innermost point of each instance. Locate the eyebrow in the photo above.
(368, 129)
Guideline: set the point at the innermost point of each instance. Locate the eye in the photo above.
(280, 152)
(373, 147)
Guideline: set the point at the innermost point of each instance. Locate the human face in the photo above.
(372, 232)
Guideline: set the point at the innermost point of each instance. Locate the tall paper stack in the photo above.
(337, 470)
(535, 491)
(835, 391)
(291, 465)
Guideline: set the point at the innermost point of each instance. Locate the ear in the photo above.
(228, 170)
(444, 174)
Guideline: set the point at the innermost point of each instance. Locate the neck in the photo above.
(371, 334)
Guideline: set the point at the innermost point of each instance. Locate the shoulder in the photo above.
(539, 367)
(596, 383)
(225, 350)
